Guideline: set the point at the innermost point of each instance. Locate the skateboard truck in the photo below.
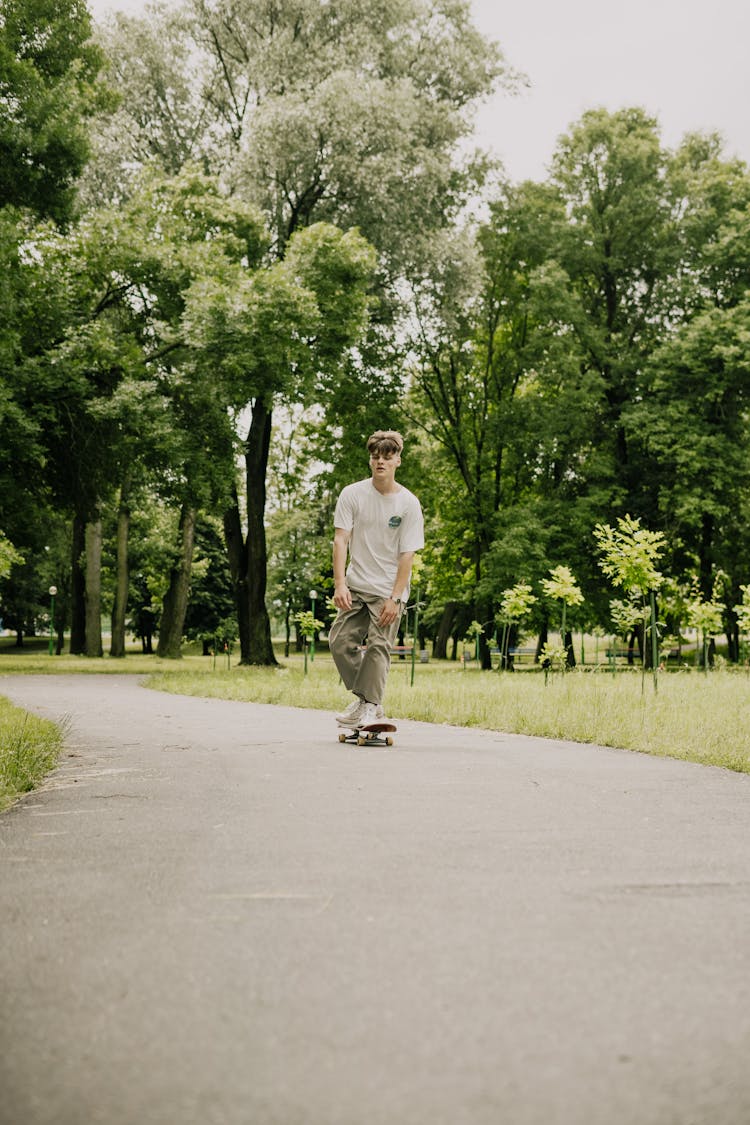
(374, 734)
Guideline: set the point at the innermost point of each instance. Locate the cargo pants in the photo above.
(364, 673)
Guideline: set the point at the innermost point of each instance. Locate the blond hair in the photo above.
(385, 442)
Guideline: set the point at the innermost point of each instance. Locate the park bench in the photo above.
(397, 650)
(518, 652)
(623, 654)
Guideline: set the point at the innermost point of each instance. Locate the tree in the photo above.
(211, 614)
(619, 254)
(515, 605)
(690, 420)
(347, 114)
(562, 587)
(9, 556)
(270, 334)
(48, 89)
(499, 387)
(629, 554)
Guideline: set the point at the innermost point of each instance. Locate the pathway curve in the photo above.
(214, 914)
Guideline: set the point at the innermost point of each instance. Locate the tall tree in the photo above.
(270, 334)
(346, 113)
(621, 255)
(48, 88)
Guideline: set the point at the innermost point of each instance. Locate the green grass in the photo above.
(29, 748)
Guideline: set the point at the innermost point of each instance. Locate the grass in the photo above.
(693, 716)
(29, 748)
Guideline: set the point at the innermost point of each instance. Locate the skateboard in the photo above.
(374, 734)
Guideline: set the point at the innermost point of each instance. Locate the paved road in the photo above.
(214, 914)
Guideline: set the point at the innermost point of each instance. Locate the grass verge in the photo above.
(29, 748)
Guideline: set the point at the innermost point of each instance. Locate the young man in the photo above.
(379, 524)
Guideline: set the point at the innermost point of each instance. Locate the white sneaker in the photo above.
(351, 714)
(368, 714)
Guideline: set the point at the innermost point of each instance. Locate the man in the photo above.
(379, 524)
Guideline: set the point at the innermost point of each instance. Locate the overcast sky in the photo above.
(685, 61)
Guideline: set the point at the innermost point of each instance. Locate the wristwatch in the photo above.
(398, 601)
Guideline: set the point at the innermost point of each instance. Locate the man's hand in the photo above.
(388, 613)
(342, 597)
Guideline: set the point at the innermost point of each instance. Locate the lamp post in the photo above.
(52, 592)
(313, 596)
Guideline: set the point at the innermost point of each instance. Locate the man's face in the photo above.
(384, 465)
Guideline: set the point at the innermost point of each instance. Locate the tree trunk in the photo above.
(541, 641)
(445, 628)
(570, 656)
(259, 647)
(507, 659)
(94, 588)
(705, 556)
(78, 587)
(484, 613)
(119, 609)
(237, 555)
(175, 603)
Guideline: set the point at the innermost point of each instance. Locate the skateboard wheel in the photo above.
(388, 740)
(361, 741)
(342, 737)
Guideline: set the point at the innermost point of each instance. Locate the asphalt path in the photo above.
(215, 914)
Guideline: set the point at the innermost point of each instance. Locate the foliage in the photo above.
(308, 623)
(627, 616)
(277, 257)
(629, 554)
(9, 556)
(743, 610)
(562, 586)
(48, 88)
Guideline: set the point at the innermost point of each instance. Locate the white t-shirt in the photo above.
(382, 528)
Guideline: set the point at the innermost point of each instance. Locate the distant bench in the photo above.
(397, 650)
(516, 653)
(625, 653)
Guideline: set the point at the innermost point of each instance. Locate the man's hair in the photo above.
(385, 442)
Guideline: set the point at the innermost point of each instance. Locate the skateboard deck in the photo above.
(374, 734)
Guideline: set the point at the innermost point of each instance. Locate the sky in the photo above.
(684, 61)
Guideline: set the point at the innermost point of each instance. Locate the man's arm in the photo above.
(390, 610)
(342, 598)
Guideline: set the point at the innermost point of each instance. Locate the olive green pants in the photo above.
(364, 672)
